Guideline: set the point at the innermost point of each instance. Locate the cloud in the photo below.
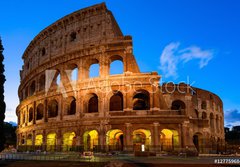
(232, 117)
(172, 56)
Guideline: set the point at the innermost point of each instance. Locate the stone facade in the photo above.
(125, 112)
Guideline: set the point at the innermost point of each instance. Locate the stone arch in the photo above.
(141, 100)
(73, 36)
(32, 88)
(71, 106)
(29, 140)
(116, 65)
(42, 80)
(141, 137)
(40, 111)
(116, 101)
(114, 140)
(38, 140)
(178, 105)
(212, 122)
(204, 105)
(51, 141)
(30, 115)
(169, 139)
(93, 68)
(90, 140)
(69, 140)
(72, 72)
(52, 109)
(92, 103)
(217, 124)
(198, 141)
(204, 115)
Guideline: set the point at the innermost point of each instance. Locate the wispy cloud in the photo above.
(172, 56)
(232, 117)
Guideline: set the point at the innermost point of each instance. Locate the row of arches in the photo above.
(116, 66)
(140, 100)
(115, 140)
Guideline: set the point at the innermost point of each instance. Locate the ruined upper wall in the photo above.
(87, 27)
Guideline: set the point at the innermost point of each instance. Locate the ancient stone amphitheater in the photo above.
(63, 108)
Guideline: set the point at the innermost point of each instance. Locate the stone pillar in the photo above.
(44, 140)
(187, 142)
(33, 139)
(104, 65)
(34, 112)
(156, 136)
(45, 114)
(128, 145)
(59, 140)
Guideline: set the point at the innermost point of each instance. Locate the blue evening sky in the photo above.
(177, 38)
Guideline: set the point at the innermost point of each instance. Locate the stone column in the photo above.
(45, 114)
(33, 139)
(34, 112)
(59, 140)
(128, 145)
(156, 136)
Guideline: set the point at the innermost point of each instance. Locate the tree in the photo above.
(2, 103)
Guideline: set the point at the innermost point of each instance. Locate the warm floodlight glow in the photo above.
(51, 141)
(68, 141)
(90, 139)
(38, 140)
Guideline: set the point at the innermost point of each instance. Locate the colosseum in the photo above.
(63, 108)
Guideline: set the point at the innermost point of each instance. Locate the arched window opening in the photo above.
(42, 82)
(169, 139)
(116, 102)
(58, 80)
(69, 140)
(71, 108)
(51, 141)
(141, 137)
(116, 67)
(178, 105)
(74, 74)
(141, 101)
(93, 104)
(52, 109)
(73, 36)
(30, 115)
(204, 115)
(26, 92)
(32, 88)
(40, 109)
(204, 105)
(94, 70)
(212, 122)
(43, 51)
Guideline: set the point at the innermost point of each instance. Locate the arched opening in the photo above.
(32, 88)
(43, 51)
(69, 141)
(116, 102)
(204, 115)
(73, 36)
(51, 141)
(74, 74)
(116, 65)
(178, 105)
(71, 106)
(169, 140)
(94, 69)
(212, 122)
(114, 140)
(93, 104)
(204, 105)
(40, 109)
(52, 109)
(38, 140)
(198, 141)
(30, 115)
(42, 82)
(29, 140)
(141, 139)
(90, 140)
(141, 100)
(217, 124)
